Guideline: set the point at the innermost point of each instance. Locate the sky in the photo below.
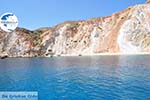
(34, 14)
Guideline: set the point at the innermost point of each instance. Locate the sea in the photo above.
(124, 77)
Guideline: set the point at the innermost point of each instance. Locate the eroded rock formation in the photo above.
(124, 32)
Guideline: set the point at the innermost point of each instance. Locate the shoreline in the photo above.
(103, 54)
(79, 55)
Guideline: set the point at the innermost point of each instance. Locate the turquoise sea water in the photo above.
(79, 78)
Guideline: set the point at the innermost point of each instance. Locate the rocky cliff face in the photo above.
(124, 32)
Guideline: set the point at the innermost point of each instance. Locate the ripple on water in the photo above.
(79, 78)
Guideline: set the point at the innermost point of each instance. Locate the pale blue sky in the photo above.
(33, 14)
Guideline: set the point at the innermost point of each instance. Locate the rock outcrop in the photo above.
(124, 32)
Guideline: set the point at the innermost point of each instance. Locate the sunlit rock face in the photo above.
(124, 32)
(134, 35)
(15, 44)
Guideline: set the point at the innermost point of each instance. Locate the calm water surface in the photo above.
(79, 78)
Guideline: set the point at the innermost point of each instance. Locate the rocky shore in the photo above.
(125, 32)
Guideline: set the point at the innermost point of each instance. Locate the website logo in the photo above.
(8, 22)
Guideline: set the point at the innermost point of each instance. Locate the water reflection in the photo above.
(103, 77)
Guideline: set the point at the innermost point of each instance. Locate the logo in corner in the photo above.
(8, 22)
